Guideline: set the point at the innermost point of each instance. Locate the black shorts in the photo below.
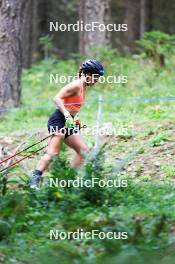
(56, 124)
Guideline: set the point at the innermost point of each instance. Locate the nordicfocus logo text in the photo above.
(81, 26)
(117, 79)
(81, 183)
(80, 234)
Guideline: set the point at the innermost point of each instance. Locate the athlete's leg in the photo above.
(53, 149)
(77, 143)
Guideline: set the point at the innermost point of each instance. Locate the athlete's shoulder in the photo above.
(76, 83)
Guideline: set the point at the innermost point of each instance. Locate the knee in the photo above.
(83, 151)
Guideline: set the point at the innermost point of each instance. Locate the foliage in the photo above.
(27, 218)
(157, 45)
(46, 43)
(160, 139)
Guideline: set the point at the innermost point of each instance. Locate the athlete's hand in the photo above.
(77, 123)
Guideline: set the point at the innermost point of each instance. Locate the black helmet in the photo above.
(92, 66)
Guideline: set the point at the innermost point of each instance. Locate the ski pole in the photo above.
(25, 157)
(19, 152)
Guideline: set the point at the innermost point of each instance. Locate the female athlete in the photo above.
(61, 124)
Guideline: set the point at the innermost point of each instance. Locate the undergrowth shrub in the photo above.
(157, 45)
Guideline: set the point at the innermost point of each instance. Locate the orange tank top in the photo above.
(76, 101)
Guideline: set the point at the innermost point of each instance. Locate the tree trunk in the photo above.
(93, 11)
(145, 16)
(27, 35)
(132, 18)
(142, 17)
(65, 42)
(34, 27)
(12, 19)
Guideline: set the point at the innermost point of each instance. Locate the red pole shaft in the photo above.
(16, 154)
(25, 157)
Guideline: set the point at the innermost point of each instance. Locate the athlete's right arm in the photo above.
(66, 91)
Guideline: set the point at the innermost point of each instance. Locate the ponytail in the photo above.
(80, 72)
